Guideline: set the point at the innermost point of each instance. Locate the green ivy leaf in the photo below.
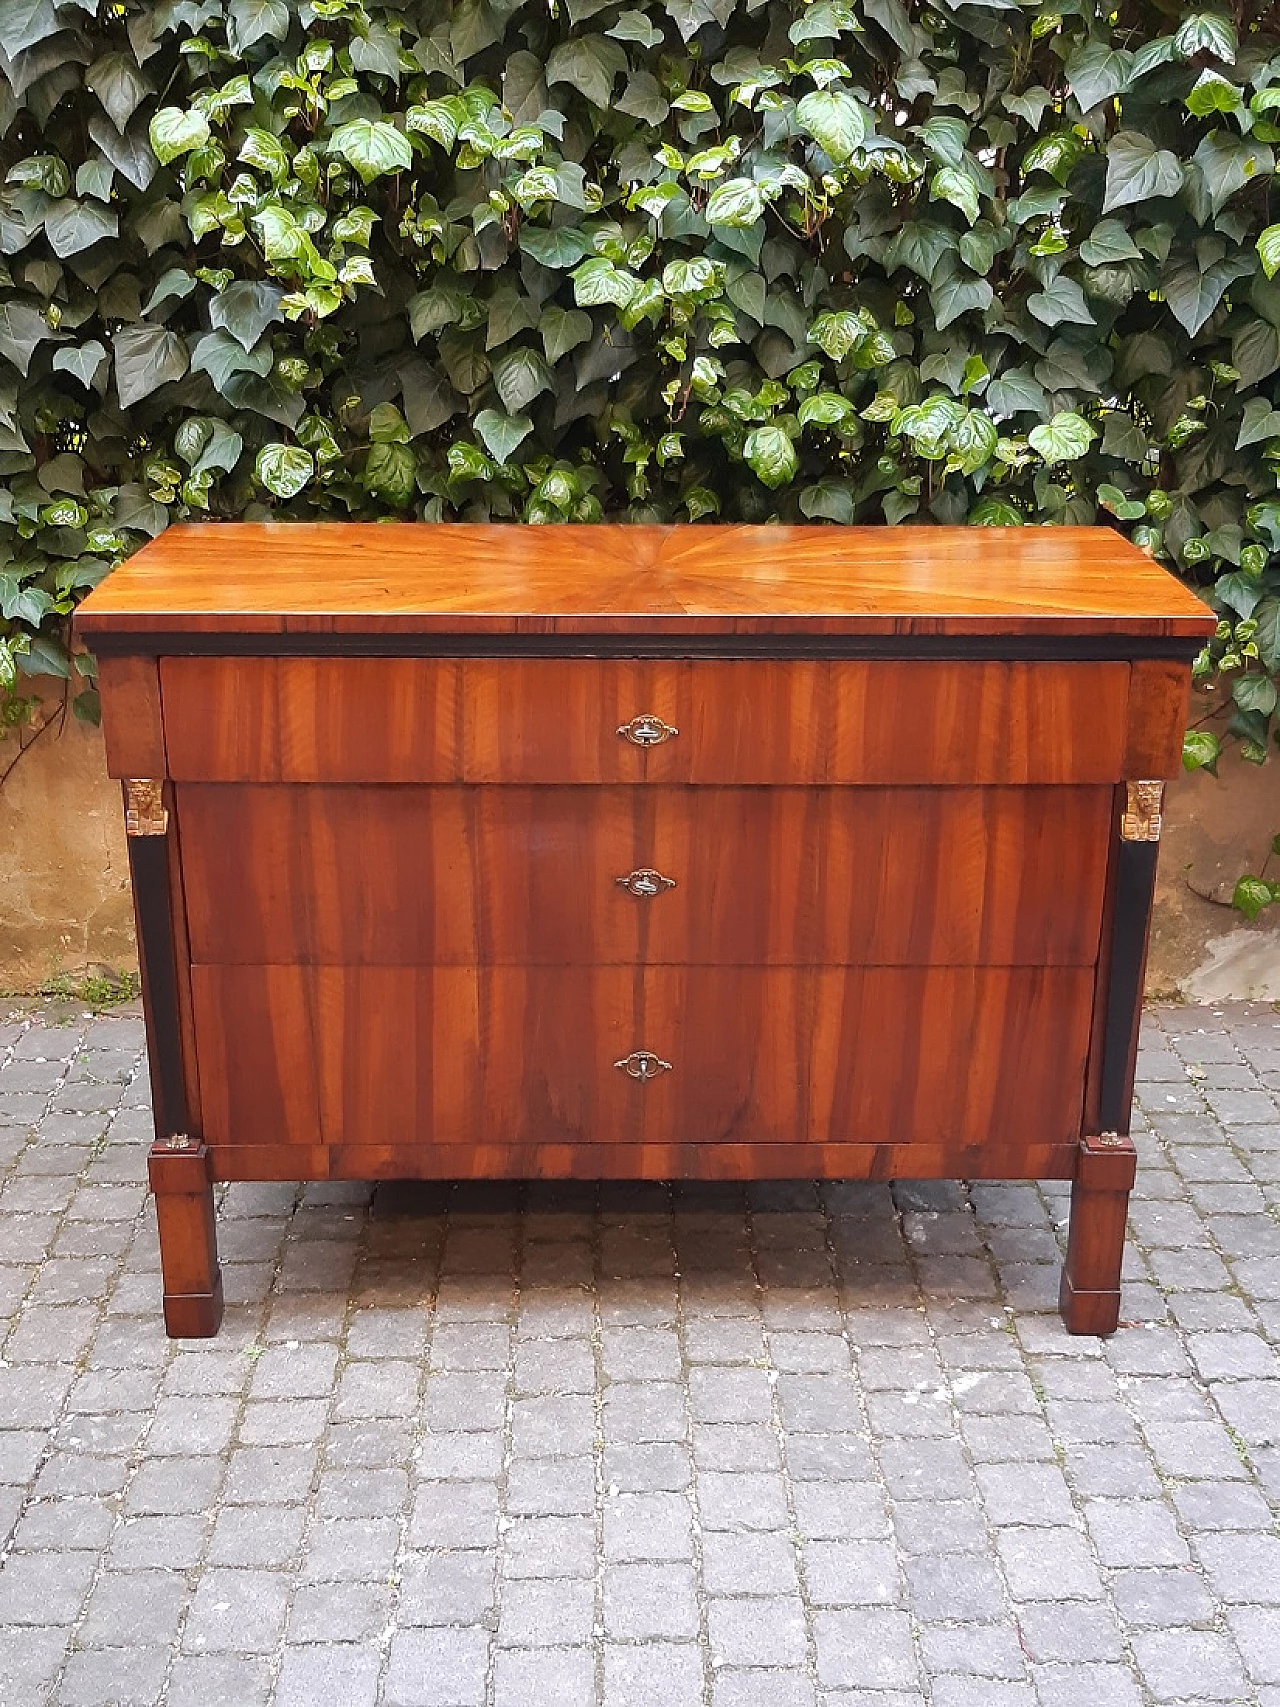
(284, 469)
(1260, 422)
(1138, 171)
(520, 375)
(737, 202)
(839, 333)
(837, 123)
(771, 456)
(592, 64)
(956, 294)
(1255, 692)
(1206, 32)
(1097, 72)
(1269, 250)
(1213, 93)
(995, 513)
(147, 357)
(1060, 302)
(1063, 439)
(1201, 750)
(1109, 242)
(563, 329)
(266, 152)
(174, 133)
(502, 434)
(373, 147)
(952, 185)
(245, 309)
(390, 472)
(1251, 895)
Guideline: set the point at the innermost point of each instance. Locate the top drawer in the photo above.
(593, 720)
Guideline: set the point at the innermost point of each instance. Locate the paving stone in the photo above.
(339, 1612)
(1190, 1665)
(972, 1650)
(454, 1514)
(546, 1547)
(656, 1672)
(843, 1510)
(1054, 1631)
(789, 1471)
(736, 1446)
(437, 1668)
(1242, 1568)
(1134, 1533)
(44, 1588)
(955, 1586)
(765, 1632)
(1256, 1631)
(766, 1567)
(1035, 1494)
(1208, 1506)
(114, 1677)
(240, 1612)
(1162, 1599)
(648, 1602)
(1099, 1685)
(865, 1649)
(950, 1526)
(546, 1614)
(350, 1549)
(1048, 1564)
(328, 1672)
(748, 1501)
(553, 1677)
(756, 1688)
(953, 1691)
(648, 1526)
(447, 1588)
(852, 1573)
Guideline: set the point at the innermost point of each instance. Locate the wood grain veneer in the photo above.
(528, 876)
(557, 721)
(332, 578)
(942, 1054)
(897, 791)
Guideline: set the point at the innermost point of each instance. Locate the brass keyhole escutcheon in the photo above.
(645, 882)
(643, 1064)
(647, 731)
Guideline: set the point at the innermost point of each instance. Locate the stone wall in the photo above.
(64, 869)
(65, 909)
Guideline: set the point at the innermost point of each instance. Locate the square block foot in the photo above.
(1088, 1312)
(193, 1315)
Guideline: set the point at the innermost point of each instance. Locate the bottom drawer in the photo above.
(389, 1056)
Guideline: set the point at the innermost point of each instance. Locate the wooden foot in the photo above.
(188, 1239)
(1090, 1296)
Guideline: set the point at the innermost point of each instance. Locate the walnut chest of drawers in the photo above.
(641, 852)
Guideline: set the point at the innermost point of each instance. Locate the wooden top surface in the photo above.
(451, 578)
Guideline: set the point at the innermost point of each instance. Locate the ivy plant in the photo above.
(1005, 263)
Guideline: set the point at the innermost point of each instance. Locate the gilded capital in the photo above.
(1141, 819)
(145, 813)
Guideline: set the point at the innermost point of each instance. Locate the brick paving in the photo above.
(537, 1447)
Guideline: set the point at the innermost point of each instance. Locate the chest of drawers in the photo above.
(641, 852)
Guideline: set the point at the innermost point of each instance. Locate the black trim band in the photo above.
(149, 869)
(1135, 887)
(1015, 648)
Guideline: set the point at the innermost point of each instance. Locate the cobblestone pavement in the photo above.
(783, 1447)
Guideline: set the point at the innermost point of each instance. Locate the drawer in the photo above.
(389, 1056)
(433, 720)
(748, 876)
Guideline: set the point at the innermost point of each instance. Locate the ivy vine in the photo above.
(1005, 262)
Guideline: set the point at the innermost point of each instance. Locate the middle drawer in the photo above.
(460, 875)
